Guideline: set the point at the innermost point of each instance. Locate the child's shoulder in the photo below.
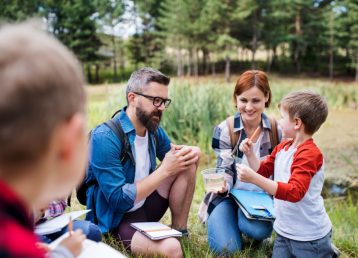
(310, 147)
(309, 153)
(283, 144)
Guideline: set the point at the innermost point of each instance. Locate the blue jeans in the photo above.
(91, 231)
(227, 223)
(287, 248)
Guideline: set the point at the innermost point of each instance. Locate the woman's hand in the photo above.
(223, 188)
(246, 147)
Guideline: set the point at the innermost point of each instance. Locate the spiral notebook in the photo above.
(156, 230)
(255, 205)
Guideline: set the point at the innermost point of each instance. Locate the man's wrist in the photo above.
(162, 173)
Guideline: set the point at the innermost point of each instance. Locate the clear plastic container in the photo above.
(213, 179)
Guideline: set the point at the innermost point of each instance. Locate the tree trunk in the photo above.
(190, 61)
(297, 49)
(179, 65)
(274, 57)
(196, 69)
(331, 46)
(206, 60)
(213, 70)
(89, 73)
(97, 73)
(254, 39)
(121, 61)
(115, 69)
(269, 59)
(227, 65)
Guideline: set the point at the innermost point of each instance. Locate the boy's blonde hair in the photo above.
(41, 85)
(307, 105)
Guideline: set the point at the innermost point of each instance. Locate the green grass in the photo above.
(200, 104)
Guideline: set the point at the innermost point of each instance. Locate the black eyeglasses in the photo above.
(157, 101)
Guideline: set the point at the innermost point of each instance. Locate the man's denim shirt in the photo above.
(116, 191)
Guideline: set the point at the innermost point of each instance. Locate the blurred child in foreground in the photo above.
(43, 135)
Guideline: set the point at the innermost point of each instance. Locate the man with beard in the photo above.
(139, 191)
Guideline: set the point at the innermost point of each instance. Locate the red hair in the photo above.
(250, 79)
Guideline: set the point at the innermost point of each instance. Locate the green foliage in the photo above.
(315, 37)
(72, 23)
(18, 10)
(197, 106)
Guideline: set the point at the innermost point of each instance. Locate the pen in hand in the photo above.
(256, 132)
(70, 226)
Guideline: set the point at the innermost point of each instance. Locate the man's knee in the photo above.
(192, 170)
(170, 247)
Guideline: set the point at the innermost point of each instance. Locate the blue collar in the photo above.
(124, 120)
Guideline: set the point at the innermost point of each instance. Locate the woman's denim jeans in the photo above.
(227, 223)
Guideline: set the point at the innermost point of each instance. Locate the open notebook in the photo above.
(255, 205)
(156, 230)
(92, 249)
(57, 223)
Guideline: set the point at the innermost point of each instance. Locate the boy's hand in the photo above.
(245, 173)
(74, 242)
(246, 147)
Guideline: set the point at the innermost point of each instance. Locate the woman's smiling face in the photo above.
(251, 104)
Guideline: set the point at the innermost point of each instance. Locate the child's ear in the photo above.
(298, 123)
(71, 133)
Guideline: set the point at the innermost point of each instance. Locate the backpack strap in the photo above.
(234, 137)
(273, 132)
(118, 131)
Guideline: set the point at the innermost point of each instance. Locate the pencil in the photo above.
(256, 132)
(157, 229)
(70, 226)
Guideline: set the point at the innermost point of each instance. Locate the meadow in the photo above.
(199, 104)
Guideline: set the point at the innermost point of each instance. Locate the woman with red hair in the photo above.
(226, 222)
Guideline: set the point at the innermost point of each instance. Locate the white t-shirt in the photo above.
(142, 165)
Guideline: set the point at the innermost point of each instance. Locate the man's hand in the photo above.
(179, 158)
(245, 173)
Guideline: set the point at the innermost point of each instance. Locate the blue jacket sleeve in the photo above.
(104, 162)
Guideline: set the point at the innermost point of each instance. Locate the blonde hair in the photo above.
(307, 105)
(41, 85)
